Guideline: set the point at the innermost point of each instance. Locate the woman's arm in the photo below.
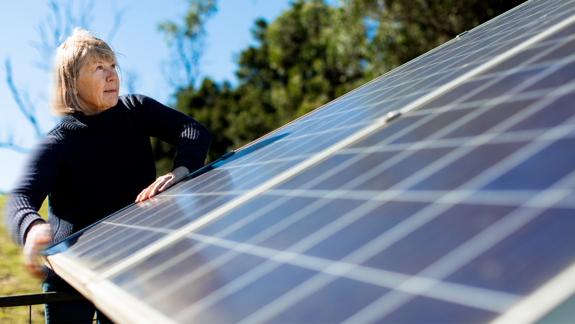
(169, 125)
(32, 188)
(25, 224)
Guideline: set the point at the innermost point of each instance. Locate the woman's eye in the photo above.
(99, 67)
(113, 66)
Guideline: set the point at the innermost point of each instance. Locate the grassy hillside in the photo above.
(13, 279)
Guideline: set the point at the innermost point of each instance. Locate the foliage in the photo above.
(302, 60)
(405, 29)
(313, 53)
(13, 279)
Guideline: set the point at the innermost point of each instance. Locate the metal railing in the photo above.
(37, 299)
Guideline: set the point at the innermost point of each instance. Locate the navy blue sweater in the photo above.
(92, 166)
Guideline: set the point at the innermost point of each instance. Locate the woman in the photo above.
(97, 160)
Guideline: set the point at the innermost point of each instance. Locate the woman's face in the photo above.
(98, 85)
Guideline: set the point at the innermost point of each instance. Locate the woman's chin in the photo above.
(111, 102)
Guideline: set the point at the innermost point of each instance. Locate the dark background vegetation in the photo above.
(311, 54)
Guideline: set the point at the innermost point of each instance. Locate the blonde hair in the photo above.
(70, 56)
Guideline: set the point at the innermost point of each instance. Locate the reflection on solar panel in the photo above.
(442, 191)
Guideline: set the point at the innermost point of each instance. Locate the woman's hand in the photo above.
(163, 183)
(38, 236)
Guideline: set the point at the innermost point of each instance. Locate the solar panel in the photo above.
(439, 192)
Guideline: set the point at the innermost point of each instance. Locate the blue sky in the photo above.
(142, 47)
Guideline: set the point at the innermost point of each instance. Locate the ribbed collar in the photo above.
(79, 122)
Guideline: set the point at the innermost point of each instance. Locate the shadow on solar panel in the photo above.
(442, 191)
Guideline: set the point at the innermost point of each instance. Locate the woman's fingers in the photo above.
(32, 264)
(167, 184)
(163, 183)
(141, 195)
(44, 234)
(37, 237)
(158, 186)
(153, 189)
(145, 194)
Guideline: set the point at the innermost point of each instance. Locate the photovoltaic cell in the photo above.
(425, 219)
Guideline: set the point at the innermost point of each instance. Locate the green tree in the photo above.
(309, 55)
(313, 53)
(401, 30)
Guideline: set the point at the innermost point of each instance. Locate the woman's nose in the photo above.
(112, 75)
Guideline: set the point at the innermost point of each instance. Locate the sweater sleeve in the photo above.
(34, 185)
(171, 126)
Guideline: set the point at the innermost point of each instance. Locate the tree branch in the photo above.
(186, 40)
(118, 19)
(59, 23)
(14, 147)
(27, 112)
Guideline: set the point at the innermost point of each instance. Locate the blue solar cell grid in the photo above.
(424, 220)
